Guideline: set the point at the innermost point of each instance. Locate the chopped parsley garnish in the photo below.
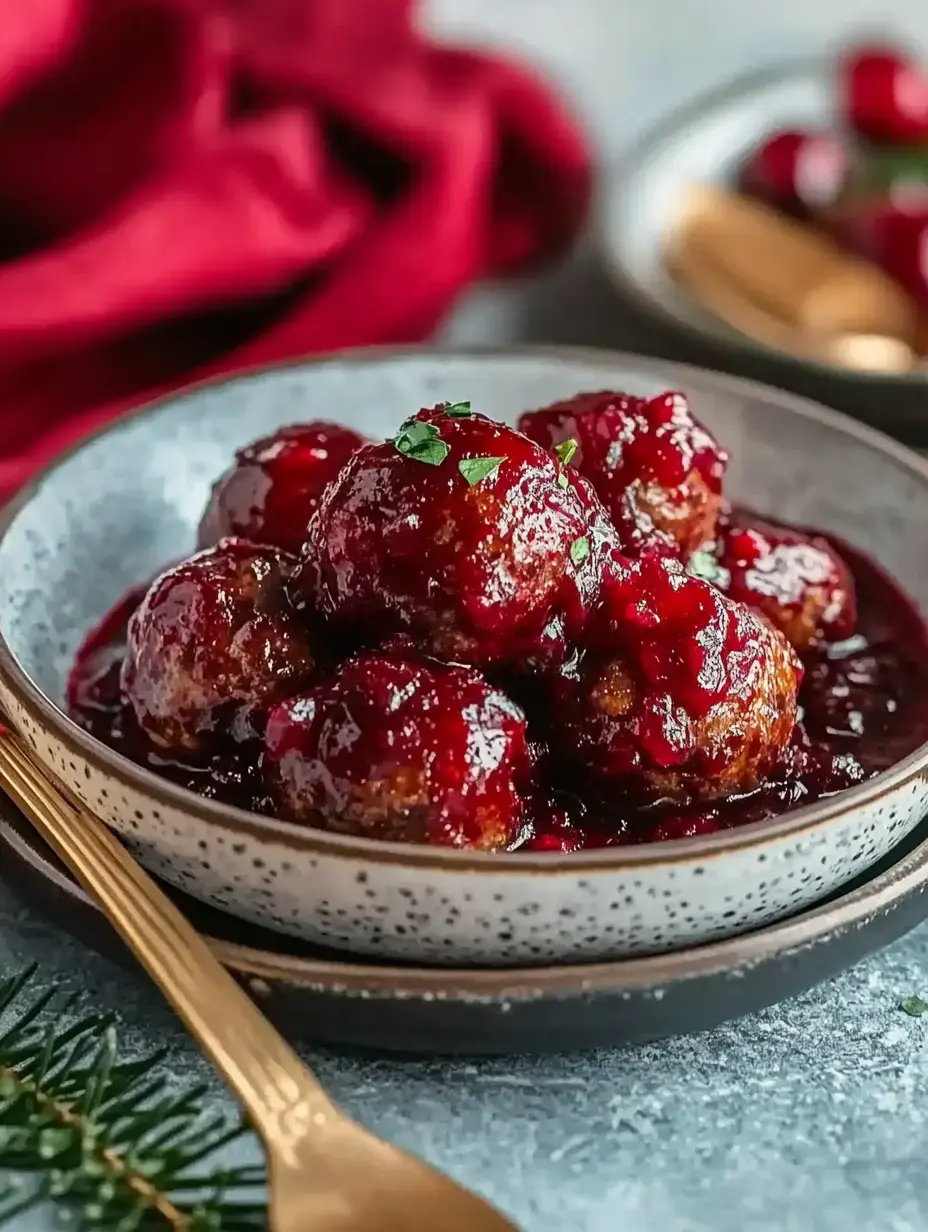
(913, 1006)
(580, 550)
(563, 481)
(457, 410)
(703, 564)
(566, 450)
(422, 442)
(475, 469)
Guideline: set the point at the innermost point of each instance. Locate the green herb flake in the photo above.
(566, 451)
(703, 564)
(422, 442)
(913, 1006)
(580, 550)
(476, 469)
(457, 410)
(562, 481)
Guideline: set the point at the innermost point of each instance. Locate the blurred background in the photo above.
(194, 187)
(627, 66)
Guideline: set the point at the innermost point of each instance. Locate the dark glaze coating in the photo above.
(863, 706)
(797, 581)
(213, 645)
(656, 469)
(488, 573)
(274, 486)
(503, 667)
(397, 746)
(687, 695)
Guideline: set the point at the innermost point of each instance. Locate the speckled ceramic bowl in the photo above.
(110, 515)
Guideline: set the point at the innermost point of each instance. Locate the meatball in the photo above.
(798, 582)
(688, 695)
(272, 490)
(401, 747)
(213, 645)
(462, 533)
(656, 469)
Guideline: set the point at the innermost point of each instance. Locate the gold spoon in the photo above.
(326, 1173)
(789, 287)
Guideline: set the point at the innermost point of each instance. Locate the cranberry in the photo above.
(213, 645)
(688, 694)
(884, 95)
(461, 532)
(894, 235)
(655, 468)
(799, 173)
(798, 582)
(400, 747)
(271, 492)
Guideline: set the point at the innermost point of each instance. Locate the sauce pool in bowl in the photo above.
(863, 707)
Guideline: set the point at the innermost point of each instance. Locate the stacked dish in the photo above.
(527, 834)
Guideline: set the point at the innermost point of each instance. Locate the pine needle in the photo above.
(104, 1140)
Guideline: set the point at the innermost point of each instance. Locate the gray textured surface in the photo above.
(809, 1115)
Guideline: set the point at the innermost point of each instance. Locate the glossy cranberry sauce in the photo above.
(863, 707)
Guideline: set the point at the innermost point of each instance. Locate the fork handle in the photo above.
(281, 1096)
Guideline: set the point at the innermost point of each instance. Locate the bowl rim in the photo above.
(616, 194)
(49, 716)
(815, 926)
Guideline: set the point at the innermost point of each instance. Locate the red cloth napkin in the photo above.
(195, 186)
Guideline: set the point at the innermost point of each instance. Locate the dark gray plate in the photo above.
(320, 994)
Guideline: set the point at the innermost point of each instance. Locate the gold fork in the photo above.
(325, 1172)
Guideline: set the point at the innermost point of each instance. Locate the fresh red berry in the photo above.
(884, 94)
(799, 173)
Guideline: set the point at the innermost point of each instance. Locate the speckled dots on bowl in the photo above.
(113, 512)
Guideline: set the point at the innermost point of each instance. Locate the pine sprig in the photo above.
(104, 1139)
